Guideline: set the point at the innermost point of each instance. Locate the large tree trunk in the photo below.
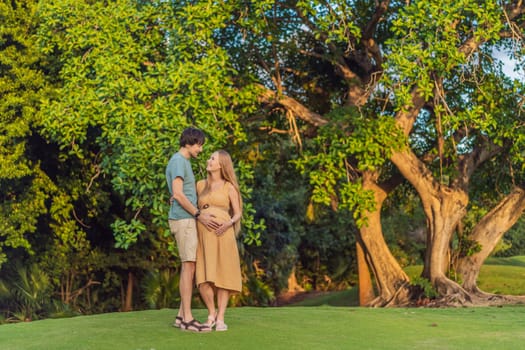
(487, 233)
(444, 208)
(366, 290)
(128, 300)
(293, 286)
(391, 280)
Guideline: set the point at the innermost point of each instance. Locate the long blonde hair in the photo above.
(228, 174)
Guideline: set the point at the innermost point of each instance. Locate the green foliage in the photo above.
(442, 50)
(273, 259)
(314, 244)
(349, 145)
(472, 101)
(426, 38)
(61, 310)
(335, 23)
(467, 247)
(253, 227)
(425, 286)
(161, 289)
(21, 85)
(96, 93)
(23, 186)
(327, 252)
(127, 232)
(132, 71)
(22, 203)
(514, 241)
(127, 78)
(27, 288)
(404, 226)
(255, 292)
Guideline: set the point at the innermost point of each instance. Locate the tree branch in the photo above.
(468, 163)
(501, 218)
(367, 37)
(358, 93)
(488, 232)
(271, 98)
(371, 26)
(415, 171)
(406, 117)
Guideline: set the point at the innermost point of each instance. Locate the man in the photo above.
(181, 218)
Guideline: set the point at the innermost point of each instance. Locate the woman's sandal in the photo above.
(194, 326)
(178, 322)
(220, 326)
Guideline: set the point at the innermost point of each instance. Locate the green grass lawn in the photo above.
(321, 327)
(330, 321)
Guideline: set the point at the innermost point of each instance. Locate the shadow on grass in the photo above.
(347, 297)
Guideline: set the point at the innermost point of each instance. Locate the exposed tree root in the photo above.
(453, 295)
(476, 297)
(401, 297)
(455, 300)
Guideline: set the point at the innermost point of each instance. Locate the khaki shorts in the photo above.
(185, 232)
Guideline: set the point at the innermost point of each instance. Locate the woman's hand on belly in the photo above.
(209, 220)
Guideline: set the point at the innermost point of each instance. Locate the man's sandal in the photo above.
(211, 321)
(178, 321)
(194, 326)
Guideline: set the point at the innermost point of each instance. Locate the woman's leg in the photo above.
(208, 296)
(223, 297)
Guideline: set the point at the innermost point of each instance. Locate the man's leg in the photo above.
(186, 292)
(175, 227)
(186, 235)
(186, 289)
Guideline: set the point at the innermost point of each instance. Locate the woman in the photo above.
(218, 271)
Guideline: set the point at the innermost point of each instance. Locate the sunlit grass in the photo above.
(497, 275)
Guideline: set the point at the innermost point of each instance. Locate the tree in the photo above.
(474, 115)
(42, 205)
(135, 75)
(414, 84)
(298, 252)
(313, 67)
(24, 187)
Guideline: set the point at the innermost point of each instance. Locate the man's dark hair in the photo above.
(191, 136)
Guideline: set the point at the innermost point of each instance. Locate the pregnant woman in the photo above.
(218, 271)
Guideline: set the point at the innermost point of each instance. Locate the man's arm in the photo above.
(180, 197)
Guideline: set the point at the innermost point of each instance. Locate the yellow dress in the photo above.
(217, 256)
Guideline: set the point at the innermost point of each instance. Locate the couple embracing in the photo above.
(204, 218)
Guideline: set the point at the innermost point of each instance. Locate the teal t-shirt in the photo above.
(178, 166)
